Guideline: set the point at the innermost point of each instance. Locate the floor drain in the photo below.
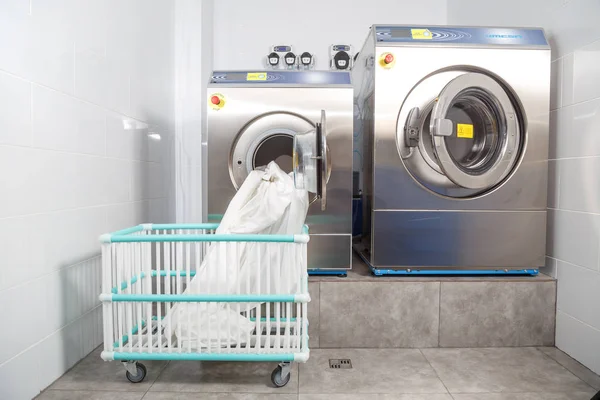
(341, 363)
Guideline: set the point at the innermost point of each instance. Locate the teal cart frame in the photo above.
(150, 267)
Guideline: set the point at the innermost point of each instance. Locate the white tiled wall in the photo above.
(86, 91)
(574, 187)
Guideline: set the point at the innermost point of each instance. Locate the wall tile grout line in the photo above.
(573, 211)
(575, 265)
(51, 272)
(562, 107)
(578, 320)
(105, 157)
(84, 208)
(31, 111)
(75, 69)
(574, 158)
(81, 99)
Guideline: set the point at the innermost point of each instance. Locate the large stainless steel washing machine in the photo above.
(455, 125)
(253, 118)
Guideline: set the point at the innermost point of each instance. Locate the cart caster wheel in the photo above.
(277, 379)
(141, 374)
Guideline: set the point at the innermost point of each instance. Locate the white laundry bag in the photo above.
(266, 203)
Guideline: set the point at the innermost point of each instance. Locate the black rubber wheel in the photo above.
(141, 374)
(277, 379)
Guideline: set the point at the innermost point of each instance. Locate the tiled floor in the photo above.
(377, 374)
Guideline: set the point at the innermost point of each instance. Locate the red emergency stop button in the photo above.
(387, 60)
(217, 101)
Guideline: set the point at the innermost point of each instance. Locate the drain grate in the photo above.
(341, 363)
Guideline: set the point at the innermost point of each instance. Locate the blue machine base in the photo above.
(327, 272)
(453, 272)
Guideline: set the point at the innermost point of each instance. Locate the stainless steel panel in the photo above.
(525, 189)
(459, 239)
(364, 86)
(330, 252)
(244, 104)
(410, 225)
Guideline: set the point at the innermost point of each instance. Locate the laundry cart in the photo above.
(184, 292)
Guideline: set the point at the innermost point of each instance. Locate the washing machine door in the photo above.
(268, 137)
(310, 163)
(474, 132)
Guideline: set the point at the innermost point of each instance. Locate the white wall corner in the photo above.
(193, 63)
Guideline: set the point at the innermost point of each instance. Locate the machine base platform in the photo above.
(327, 272)
(418, 271)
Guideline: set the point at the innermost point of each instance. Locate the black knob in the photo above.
(306, 58)
(273, 59)
(290, 58)
(341, 60)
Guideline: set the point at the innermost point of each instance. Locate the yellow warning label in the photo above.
(464, 131)
(420, 33)
(256, 76)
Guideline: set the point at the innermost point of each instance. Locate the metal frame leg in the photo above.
(286, 369)
(130, 366)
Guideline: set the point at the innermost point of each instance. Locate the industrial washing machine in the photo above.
(253, 118)
(454, 124)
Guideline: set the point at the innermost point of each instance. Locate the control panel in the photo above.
(280, 57)
(306, 61)
(290, 60)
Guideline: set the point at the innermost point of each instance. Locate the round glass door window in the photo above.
(278, 148)
(269, 137)
(275, 137)
(477, 138)
(465, 140)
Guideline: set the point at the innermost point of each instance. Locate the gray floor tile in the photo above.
(373, 371)
(92, 373)
(217, 396)
(345, 396)
(577, 369)
(495, 314)
(313, 315)
(501, 370)
(525, 396)
(228, 377)
(379, 314)
(87, 395)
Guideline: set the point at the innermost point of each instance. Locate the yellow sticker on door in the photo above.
(256, 76)
(464, 131)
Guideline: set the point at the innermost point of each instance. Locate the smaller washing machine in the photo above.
(254, 117)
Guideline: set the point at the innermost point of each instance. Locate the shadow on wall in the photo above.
(77, 307)
(66, 316)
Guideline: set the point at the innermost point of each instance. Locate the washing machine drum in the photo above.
(459, 133)
(295, 143)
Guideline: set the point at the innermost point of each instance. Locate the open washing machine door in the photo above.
(310, 163)
(465, 138)
(295, 143)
